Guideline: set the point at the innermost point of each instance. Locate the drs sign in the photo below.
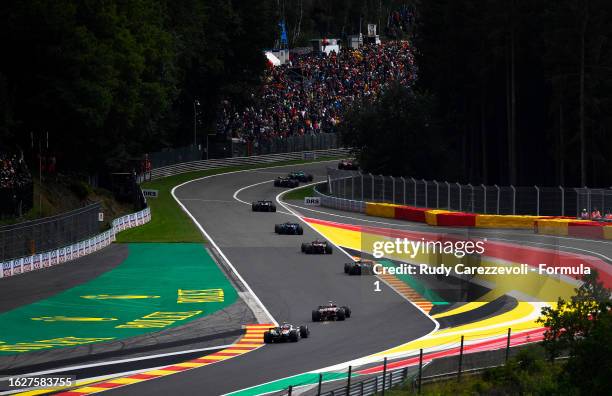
(312, 201)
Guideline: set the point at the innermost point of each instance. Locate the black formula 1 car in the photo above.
(330, 312)
(288, 229)
(300, 176)
(317, 247)
(359, 267)
(285, 182)
(263, 206)
(348, 164)
(286, 332)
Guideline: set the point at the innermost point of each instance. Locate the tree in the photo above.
(397, 135)
(583, 327)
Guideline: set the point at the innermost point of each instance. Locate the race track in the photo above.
(290, 284)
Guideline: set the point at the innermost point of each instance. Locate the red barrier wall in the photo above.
(410, 213)
(456, 219)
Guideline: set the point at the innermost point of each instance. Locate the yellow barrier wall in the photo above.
(553, 226)
(607, 232)
(505, 221)
(380, 209)
(431, 216)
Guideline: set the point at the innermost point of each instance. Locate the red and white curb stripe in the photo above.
(252, 339)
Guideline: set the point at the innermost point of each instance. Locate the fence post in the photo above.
(362, 193)
(460, 205)
(404, 186)
(513, 199)
(577, 202)
(348, 380)
(352, 188)
(437, 194)
(420, 371)
(290, 390)
(484, 190)
(562, 201)
(508, 345)
(415, 195)
(426, 201)
(498, 196)
(460, 360)
(320, 383)
(384, 377)
(472, 196)
(538, 200)
(344, 187)
(382, 178)
(392, 189)
(372, 177)
(448, 193)
(361, 388)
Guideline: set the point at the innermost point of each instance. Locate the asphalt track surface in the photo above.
(290, 284)
(17, 291)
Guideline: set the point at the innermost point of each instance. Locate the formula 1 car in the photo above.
(330, 312)
(300, 176)
(359, 267)
(286, 332)
(263, 206)
(285, 182)
(348, 164)
(317, 247)
(288, 229)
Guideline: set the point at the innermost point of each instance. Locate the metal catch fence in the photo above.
(506, 200)
(29, 237)
(468, 355)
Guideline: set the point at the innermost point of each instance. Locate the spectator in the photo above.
(584, 215)
(310, 95)
(596, 214)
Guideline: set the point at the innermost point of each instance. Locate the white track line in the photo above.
(73, 368)
(235, 196)
(220, 252)
(207, 236)
(300, 217)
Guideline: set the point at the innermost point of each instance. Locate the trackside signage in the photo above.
(312, 201)
(150, 193)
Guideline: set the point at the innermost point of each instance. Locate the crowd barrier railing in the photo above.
(193, 166)
(75, 250)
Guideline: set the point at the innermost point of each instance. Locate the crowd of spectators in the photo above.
(14, 173)
(309, 94)
(15, 185)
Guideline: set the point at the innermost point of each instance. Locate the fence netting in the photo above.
(484, 199)
(35, 236)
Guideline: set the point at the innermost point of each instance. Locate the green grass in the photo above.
(300, 193)
(168, 222)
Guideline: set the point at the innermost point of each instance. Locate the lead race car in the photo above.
(300, 176)
(288, 229)
(330, 311)
(286, 332)
(285, 182)
(263, 206)
(359, 267)
(317, 247)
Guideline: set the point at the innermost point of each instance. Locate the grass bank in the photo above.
(300, 193)
(168, 222)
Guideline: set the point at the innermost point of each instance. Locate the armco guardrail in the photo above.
(241, 161)
(75, 250)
